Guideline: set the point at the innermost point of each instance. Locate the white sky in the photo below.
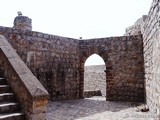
(76, 18)
(94, 60)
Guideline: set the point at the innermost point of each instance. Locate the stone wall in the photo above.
(90, 93)
(54, 60)
(123, 57)
(95, 78)
(30, 93)
(58, 63)
(151, 38)
(151, 49)
(137, 28)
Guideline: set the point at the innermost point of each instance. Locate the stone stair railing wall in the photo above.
(29, 91)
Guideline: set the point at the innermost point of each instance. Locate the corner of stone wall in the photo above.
(137, 28)
(151, 44)
(30, 92)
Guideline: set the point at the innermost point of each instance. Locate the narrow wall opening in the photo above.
(94, 76)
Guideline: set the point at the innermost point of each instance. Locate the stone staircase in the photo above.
(9, 107)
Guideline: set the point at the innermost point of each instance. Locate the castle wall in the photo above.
(151, 49)
(54, 60)
(123, 57)
(151, 43)
(58, 63)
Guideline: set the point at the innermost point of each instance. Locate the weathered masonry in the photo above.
(23, 88)
(132, 61)
(149, 27)
(58, 63)
(124, 65)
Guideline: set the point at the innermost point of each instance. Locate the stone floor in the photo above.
(95, 108)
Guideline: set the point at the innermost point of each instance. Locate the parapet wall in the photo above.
(58, 63)
(54, 60)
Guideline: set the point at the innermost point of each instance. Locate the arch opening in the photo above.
(94, 59)
(94, 76)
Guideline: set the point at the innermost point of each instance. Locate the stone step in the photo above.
(12, 116)
(3, 81)
(7, 97)
(9, 107)
(5, 88)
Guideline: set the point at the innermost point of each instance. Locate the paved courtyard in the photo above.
(95, 108)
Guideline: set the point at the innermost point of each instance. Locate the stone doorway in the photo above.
(94, 76)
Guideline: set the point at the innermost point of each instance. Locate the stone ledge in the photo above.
(89, 93)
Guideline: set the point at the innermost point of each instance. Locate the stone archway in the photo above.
(108, 72)
(94, 76)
